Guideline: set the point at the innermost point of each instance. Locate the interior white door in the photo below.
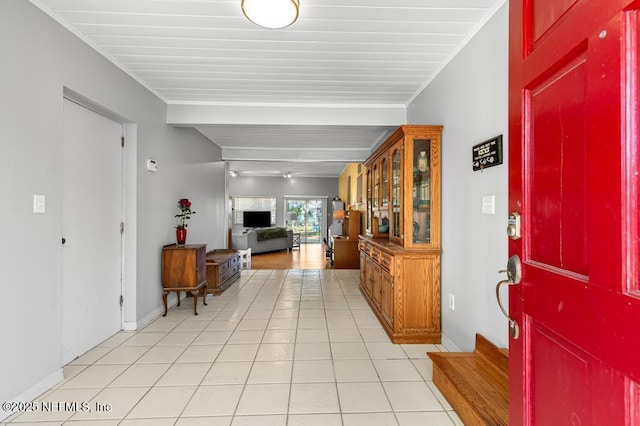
(92, 241)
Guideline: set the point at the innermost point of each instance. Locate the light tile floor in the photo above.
(285, 347)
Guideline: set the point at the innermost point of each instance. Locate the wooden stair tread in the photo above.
(476, 384)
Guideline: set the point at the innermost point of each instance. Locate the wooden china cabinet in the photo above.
(400, 253)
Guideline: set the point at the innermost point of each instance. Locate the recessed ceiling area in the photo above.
(316, 169)
(338, 61)
(309, 151)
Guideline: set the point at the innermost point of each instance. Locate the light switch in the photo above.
(488, 204)
(38, 204)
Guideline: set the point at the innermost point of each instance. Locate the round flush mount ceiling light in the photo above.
(271, 13)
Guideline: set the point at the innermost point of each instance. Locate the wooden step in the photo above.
(476, 384)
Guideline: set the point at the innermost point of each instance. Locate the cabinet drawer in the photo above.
(228, 273)
(224, 266)
(386, 262)
(375, 254)
(229, 264)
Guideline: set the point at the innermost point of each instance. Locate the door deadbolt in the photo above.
(513, 226)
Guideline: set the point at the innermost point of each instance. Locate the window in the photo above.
(240, 204)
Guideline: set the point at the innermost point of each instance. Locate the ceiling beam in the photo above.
(193, 114)
(303, 154)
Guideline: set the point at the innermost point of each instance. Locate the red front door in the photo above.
(573, 176)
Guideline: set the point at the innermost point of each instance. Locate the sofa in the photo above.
(264, 240)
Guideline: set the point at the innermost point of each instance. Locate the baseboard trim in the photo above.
(148, 319)
(35, 391)
(447, 343)
(130, 326)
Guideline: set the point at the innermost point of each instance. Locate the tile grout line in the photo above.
(333, 361)
(246, 383)
(295, 343)
(212, 363)
(174, 363)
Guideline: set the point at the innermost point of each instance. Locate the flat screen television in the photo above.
(256, 219)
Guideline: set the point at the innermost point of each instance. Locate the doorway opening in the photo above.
(306, 217)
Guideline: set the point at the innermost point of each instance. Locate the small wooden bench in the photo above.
(476, 384)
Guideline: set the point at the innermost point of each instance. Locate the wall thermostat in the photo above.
(152, 166)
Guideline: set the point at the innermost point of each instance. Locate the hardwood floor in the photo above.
(308, 256)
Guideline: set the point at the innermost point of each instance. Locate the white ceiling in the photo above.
(340, 53)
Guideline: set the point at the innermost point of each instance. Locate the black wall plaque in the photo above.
(487, 153)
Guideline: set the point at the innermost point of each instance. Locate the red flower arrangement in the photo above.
(184, 205)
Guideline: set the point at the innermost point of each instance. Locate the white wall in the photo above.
(470, 99)
(189, 167)
(40, 59)
(261, 186)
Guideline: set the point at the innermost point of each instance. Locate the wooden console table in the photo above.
(184, 269)
(223, 269)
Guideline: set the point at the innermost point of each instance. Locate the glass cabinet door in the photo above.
(369, 200)
(421, 188)
(403, 189)
(396, 193)
(384, 165)
(376, 186)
